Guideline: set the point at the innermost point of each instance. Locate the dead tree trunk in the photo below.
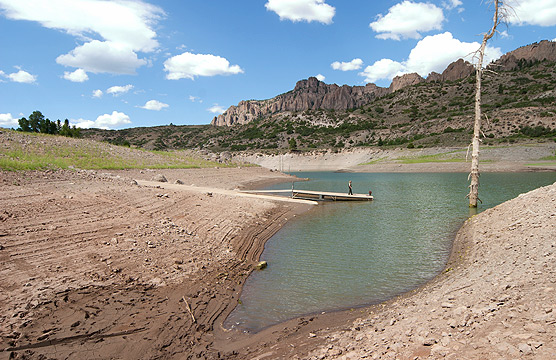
(474, 175)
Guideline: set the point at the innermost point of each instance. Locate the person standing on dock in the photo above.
(350, 191)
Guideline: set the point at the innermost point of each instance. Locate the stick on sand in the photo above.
(189, 309)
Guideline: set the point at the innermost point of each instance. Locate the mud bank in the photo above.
(94, 266)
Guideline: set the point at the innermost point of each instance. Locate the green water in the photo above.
(343, 255)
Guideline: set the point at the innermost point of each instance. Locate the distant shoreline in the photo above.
(511, 158)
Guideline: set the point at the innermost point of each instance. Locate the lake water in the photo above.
(341, 255)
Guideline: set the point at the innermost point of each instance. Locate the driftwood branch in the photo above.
(189, 309)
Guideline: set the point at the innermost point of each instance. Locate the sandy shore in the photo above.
(95, 266)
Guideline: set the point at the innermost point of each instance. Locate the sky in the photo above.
(129, 63)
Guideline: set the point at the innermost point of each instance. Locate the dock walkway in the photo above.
(318, 195)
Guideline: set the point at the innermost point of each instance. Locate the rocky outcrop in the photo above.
(544, 50)
(399, 82)
(309, 94)
(457, 70)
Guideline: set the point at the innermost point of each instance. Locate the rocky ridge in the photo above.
(312, 94)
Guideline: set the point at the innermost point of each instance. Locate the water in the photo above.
(343, 255)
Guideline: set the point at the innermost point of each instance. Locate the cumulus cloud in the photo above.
(533, 12)
(154, 105)
(195, 99)
(78, 75)
(407, 20)
(124, 26)
(354, 64)
(381, 69)
(302, 10)
(103, 57)
(188, 66)
(119, 90)
(97, 93)
(21, 77)
(320, 77)
(216, 109)
(106, 121)
(7, 120)
(433, 53)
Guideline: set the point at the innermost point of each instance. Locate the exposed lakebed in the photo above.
(343, 255)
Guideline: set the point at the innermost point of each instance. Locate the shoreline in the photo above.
(325, 335)
(209, 290)
(514, 158)
(212, 290)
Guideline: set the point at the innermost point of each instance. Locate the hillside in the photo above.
(518, 101)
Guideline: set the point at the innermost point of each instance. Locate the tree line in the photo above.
(39, 124)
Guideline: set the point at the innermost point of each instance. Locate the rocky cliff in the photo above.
(544, 50)
(312, 94)
(309, 94)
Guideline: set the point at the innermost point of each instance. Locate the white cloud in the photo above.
(188, 65)
(21, 77)
(119, 90)
(193, 98)
(154, 105)
(103, 57)
(381, 69)
(354, 64)
(451, 4)
(216, 109)
(78, 75)
(433, 53)
(533, 12)
(320, 77)
(7, 120)
(302, 10)
(124, 25)
(97, 93)
(106, 121)
(407, 20)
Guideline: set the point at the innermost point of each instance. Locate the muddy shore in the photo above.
(95, 266)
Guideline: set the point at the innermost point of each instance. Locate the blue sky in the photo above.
(124, 63)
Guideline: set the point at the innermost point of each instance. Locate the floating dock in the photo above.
(318, 195)
(332, 196)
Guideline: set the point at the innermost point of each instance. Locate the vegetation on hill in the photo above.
(518, 104)
(32, 151)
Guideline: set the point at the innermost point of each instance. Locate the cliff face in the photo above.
(544, 50)
(312, 94)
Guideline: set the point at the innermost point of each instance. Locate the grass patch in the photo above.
(42, 152)
(436, 158)
(548, 163)
(372, 162)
